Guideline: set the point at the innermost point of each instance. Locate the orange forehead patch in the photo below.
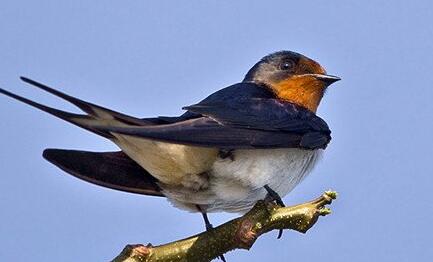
(306, 65)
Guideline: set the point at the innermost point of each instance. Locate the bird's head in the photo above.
(292, 77)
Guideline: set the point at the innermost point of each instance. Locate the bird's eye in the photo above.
(286, 65)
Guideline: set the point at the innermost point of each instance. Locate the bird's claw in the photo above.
(209, 226)
(273, 196)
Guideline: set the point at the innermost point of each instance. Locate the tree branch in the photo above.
(239, 233)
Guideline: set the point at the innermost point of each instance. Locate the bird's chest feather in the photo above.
(281, 169)
(235, 185)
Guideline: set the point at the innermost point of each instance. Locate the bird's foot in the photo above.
(209, 227)
(273, 196)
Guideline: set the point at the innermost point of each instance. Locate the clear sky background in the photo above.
(149, 58)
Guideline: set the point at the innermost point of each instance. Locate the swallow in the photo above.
(254, 140)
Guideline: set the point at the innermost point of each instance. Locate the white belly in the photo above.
(236, 185)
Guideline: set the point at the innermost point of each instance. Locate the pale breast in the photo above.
(236, 185)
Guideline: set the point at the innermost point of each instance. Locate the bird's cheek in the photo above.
(296, 83)
(305, 91)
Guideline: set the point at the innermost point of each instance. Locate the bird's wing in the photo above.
(240, 116)
(266, 114)
(109, 169)
(239, 121)
(96, 115)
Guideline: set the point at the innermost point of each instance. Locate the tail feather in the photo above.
(109, 169)
(113, 170)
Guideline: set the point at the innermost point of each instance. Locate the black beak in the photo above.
(327, 79)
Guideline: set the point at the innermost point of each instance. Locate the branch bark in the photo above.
(239, 233)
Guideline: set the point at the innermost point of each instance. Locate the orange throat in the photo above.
(303, 90)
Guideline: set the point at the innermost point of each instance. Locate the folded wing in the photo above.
(239, 122)
(96, 115)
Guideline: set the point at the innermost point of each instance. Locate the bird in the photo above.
(253, 140)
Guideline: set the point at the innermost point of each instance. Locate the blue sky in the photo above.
(149, 58)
